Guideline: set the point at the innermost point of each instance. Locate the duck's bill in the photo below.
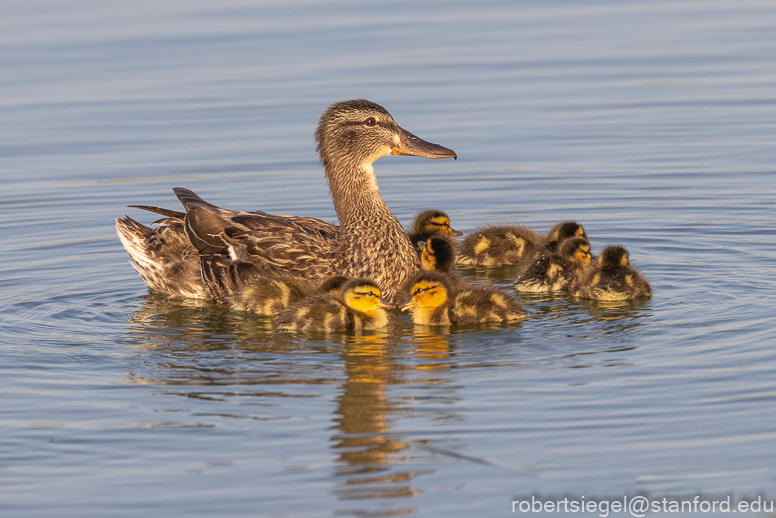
(409, 305)
(386, 304)
(454, 232)
(409, 144)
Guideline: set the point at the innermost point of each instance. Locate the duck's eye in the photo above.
(370, 121)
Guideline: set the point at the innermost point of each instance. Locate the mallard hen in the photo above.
(369, 242)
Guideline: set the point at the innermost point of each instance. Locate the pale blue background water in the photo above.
(652, 123)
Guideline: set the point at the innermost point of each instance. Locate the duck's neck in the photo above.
(355, 194)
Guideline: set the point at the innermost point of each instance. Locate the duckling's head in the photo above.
(363, 295)
(564, 230)
(613, 257)
(436, 254)
(333, 283)
(428, 292)
(358, 132)
(433, 223)
(576, 249)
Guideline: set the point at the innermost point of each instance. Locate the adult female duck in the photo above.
(370, 242)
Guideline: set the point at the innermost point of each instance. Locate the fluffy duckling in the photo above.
(270, 296)
(513, 244)
(555, 271)
(437, 254)
(358, 306)
(498, 245)
(612, 279)
(429, 223)
(439, 299)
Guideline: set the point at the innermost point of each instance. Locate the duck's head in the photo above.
(576, 249)
(428, 292)
(358, 132)
(363, 295)
(613, 256)
(434, 222)
(436, 254)
(564, 230)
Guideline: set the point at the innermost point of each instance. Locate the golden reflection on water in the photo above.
(198, 344)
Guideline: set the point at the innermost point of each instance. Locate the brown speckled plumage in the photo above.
(369, 242)
(612, 278)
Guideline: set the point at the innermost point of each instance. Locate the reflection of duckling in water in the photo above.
(512, 244)
(612, 278)
(429, 223)
(437, 254)
(358, 306)
(439, 299)
(555, 271)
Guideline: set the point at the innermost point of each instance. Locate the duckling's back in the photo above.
(481, 304)
(320, 312)
(498, 245)
(612, 283)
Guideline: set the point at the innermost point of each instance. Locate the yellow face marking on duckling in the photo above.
(428, 258)
(624, 260)
(440, 225)
(583, 254)
(427, 294)
(580, 232)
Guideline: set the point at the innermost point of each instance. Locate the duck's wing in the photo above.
(279, 246)
(226, 279)
(274, 243)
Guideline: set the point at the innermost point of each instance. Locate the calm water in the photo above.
(652, 123)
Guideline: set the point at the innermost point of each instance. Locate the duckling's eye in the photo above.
(370, 121)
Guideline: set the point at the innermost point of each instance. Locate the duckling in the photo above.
(559, 233)
(439, 299)
(555, 271)
(429, 223)
(436, 254)
(243, 286)
(612, 278)
(369, 241)
(358, 306)
(498, 245)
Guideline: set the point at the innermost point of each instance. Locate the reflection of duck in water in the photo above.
(612, 278)
(430, 223)
(370, 242)
(439, 299)
(358, 306)
(555, 271)
(512, 244)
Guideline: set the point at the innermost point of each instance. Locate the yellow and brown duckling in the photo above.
(358, 305)
(437, 254)
(369, 241)
(513, 244)
(612, 278)
(430, 223)
(498, 245)
(439, 299)
(555, 271)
